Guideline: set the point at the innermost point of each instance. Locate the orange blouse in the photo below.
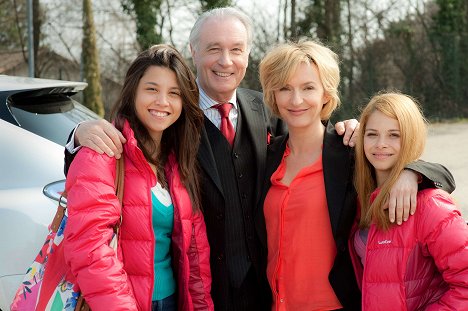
(301, 249)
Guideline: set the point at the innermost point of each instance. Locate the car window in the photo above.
(52, 117)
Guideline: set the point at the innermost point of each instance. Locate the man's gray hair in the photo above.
(221, 13)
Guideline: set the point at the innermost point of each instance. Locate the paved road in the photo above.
(447, 144)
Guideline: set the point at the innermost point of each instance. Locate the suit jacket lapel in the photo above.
(336, 170)
(254, 122)
(207, 160)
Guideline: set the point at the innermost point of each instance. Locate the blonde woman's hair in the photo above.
(413, 131)
(278, 66)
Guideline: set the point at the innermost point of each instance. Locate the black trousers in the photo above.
(253, 295)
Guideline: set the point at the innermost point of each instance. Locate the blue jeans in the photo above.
(166, 304)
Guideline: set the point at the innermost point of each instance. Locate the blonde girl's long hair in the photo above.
(413, 131)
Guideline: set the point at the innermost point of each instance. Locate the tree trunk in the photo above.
(207, 5)
(92, 94)
(37, 23)
(333, 23)
(293, 27)
(350, 68)
(146, 13)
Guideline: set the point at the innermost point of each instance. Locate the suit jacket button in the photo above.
(220, 216)
(220, 257)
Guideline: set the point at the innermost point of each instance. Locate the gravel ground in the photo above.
(447, 144)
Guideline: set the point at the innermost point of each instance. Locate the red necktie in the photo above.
(226, 126)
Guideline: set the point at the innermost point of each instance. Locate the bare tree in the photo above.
(20, 17)
(293, 28)
(37, 34)
(92, 94)
(148, 27)
(211, 4)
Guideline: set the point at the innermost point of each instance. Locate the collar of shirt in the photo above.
(206, 104)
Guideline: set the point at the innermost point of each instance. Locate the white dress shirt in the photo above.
(206, 104)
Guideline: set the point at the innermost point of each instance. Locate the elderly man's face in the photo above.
(221, 57)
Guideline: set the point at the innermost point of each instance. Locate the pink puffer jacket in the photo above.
(125, 281)
(420, 265)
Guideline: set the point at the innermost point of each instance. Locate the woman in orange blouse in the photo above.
(310, 201)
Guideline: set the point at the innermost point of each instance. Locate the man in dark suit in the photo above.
(232, 168)
(220, 43)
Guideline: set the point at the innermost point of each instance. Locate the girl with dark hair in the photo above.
(162, 262)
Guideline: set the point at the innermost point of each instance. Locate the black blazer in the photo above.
(338, 168)
(338, 171)
(256, 123)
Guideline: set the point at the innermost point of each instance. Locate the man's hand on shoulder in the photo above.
(101, 136)
(350, 129)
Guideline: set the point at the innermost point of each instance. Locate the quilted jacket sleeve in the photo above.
(446, 236)
(199, 261)
(94, 210)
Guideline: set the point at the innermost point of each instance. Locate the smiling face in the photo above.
(382, 144)
(221, 57)
(301, 100)
(158, 101)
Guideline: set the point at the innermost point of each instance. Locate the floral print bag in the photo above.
(45, 285)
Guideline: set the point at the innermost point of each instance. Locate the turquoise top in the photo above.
(163, 223)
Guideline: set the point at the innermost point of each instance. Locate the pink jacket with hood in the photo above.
(420, 265)
(125, 281)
